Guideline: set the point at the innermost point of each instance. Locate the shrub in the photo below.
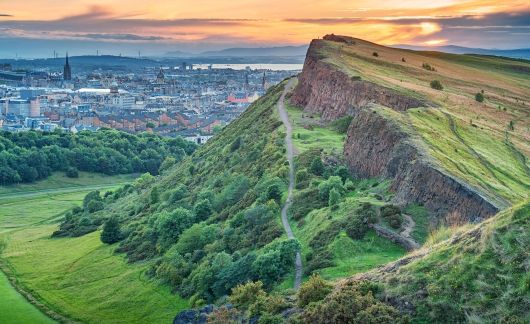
(375, 54)
(334, 198)
(203, 209)
(392, 214)
(333, 182)
(435, 84)
(479, 97)
(428, 67)
(353, 303)
(72, 172)
(341, 125)
(274, 192)
(247, 294)
(111, 231)
(313, 290)
(95, 205)
(317, 167)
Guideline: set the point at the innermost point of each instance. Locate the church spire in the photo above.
(67, 70)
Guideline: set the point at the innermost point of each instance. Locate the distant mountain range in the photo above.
(520, 53)
(278, 51)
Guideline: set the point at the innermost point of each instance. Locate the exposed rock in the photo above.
(406, 243)
(325, 90)
(194, 316)
(377, 146)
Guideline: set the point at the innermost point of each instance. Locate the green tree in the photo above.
(479, 97)
(111, 231)
(274, 192)
(203, 209)
(72, 172)
(317, 167)
(94, 206)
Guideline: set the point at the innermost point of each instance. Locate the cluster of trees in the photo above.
(30, 156)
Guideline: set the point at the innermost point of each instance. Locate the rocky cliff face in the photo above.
(376, 146)
(325, 90)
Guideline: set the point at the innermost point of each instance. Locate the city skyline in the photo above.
(194, 26)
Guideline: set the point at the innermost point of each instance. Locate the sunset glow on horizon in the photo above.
(263, 23)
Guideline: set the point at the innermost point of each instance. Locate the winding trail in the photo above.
(290, 157)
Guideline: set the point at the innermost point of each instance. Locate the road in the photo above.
(290, 157)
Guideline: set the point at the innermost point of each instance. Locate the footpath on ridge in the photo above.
(290, 157)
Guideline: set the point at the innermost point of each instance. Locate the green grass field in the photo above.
(15, 309)
(80, 278)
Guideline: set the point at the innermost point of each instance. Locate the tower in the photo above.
(246, 82)
(67, 71)
(160, 78)
(264, 82)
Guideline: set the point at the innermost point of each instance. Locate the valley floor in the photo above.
(79, 278)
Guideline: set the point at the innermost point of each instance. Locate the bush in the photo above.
(353, 303)
(333, 182)
(334, 198)
(428, 67)
(243, 296)
(392, 214)
(111, 231)
(317, 167)
(313, 290)
(94, 206)
(203, 209)
(274, 192)
(435, 84)
(72, 172)
(479, 97)
(375, 54)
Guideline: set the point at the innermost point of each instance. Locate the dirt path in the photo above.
(408, 226)
(290, 157)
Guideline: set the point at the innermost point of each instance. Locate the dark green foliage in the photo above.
(276, 262)
(169, 225)
(154, 196)
(437, 85)
(30, 156)
(235, 144)
(203, 209)
(111, 231)
(392, 214)
(274, 192)
(72, 172)
(479, 97)
(317, 167)
(353, 303)
(375, 54)
(343, 173)
(94, 206)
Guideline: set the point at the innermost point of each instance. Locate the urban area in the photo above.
(176, 100)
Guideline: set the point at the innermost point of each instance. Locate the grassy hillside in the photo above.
(80, 278)
(213, 221)
(486, 144)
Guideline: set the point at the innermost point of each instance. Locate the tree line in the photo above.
(29, 156)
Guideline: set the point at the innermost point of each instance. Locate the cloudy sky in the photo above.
(31, 27)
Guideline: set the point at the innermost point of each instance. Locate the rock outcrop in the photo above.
(325, 90)
(377, 146)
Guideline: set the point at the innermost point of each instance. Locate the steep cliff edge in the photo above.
(376, 145)
(326, 90)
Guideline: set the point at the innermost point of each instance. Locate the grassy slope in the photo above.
(480, 274)
(350, 256)
(15, 309)
(80, 278)
(482, 155)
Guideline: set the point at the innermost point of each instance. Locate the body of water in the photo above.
(253, 66)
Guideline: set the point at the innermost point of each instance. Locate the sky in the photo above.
(37, 27)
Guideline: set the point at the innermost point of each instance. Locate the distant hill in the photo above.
(281, 51)
(520, 53)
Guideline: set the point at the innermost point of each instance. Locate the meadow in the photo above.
(79, 278)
